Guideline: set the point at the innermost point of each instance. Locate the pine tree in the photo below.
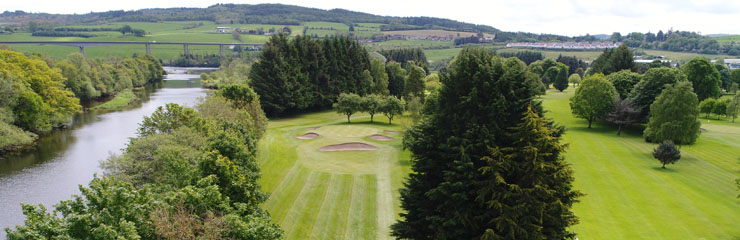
(667, 153)
(527, 186)
(481, 98)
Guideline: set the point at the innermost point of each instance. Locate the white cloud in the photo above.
(568, 17)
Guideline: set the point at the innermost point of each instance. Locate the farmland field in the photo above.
(628, 195)
(438, 33)
(332, 195)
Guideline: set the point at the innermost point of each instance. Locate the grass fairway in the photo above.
(628, 195)
(332, 195)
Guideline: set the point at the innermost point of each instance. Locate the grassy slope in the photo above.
(630, 197)
(122, 101)
(332, 195)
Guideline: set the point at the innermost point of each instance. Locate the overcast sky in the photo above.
(565, 17)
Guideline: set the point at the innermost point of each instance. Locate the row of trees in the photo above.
(300, 74)
(94, 78)
(486, 164)
(680, 41)
(188, 174)
(666, 98)
(349, 104)
(39, 93)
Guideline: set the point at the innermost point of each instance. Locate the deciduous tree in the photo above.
(624, 81)
(348, 104)
(673, 115)
(707, 106)
(733, 107)
(593, 99)
(704, 77)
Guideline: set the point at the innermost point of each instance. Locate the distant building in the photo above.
(566, 45)
(223, 29)
(733, 63)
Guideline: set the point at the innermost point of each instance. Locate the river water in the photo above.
(66, 158)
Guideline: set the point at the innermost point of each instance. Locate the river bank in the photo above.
(65, 158)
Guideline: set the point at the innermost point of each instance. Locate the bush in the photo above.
(667, 153)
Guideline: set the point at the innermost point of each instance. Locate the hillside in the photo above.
(277, 14)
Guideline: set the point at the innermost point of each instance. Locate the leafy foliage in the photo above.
(624, 114)
(673, 115)
(481, 98)
(294, 75)
(624, 81)
(733, 107)
(348, 104)
(667, 153)
(614, 60)
(651, 85)
(704, 77)
(187, 175)
(593, 99)
(527, 185)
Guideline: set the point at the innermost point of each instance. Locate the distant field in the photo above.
(438, 33)
(592, 55)
(161, 32)
(727, 39)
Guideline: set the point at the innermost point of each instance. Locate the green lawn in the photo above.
(332, 195)
(628, 195)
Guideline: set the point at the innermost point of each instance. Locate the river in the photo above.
(66, 158)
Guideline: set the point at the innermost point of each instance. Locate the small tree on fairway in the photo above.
(667, 153)
(574, 79)
(413, 106)
(707, 106)
(371, 104)
(733, 88)
(593, 99)
(348, 104)
(720, 108)
(390, 107)
(733, 107)
(624, 114)
(673, 115)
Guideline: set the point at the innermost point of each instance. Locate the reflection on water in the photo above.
(66, 158)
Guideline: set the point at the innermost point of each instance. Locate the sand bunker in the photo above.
(352, 146)
(390, 132)
(310, 135)
(381, 137)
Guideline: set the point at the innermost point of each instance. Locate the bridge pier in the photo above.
(187, 49)
(148, 49)
(82, 50)
(221, 50)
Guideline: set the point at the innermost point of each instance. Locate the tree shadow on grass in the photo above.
(667, 169)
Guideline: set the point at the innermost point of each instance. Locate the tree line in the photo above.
(667, 99)
(39, 93)
(678, 41)
(190, 173)
(303, 73)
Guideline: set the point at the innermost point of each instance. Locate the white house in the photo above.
(223, 29)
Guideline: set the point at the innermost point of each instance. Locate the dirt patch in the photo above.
(390, 132)
(381, 137)
(310, 135)
(351, 146)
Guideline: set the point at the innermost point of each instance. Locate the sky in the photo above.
(564, 17)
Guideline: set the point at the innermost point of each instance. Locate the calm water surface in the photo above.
(66, 158)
